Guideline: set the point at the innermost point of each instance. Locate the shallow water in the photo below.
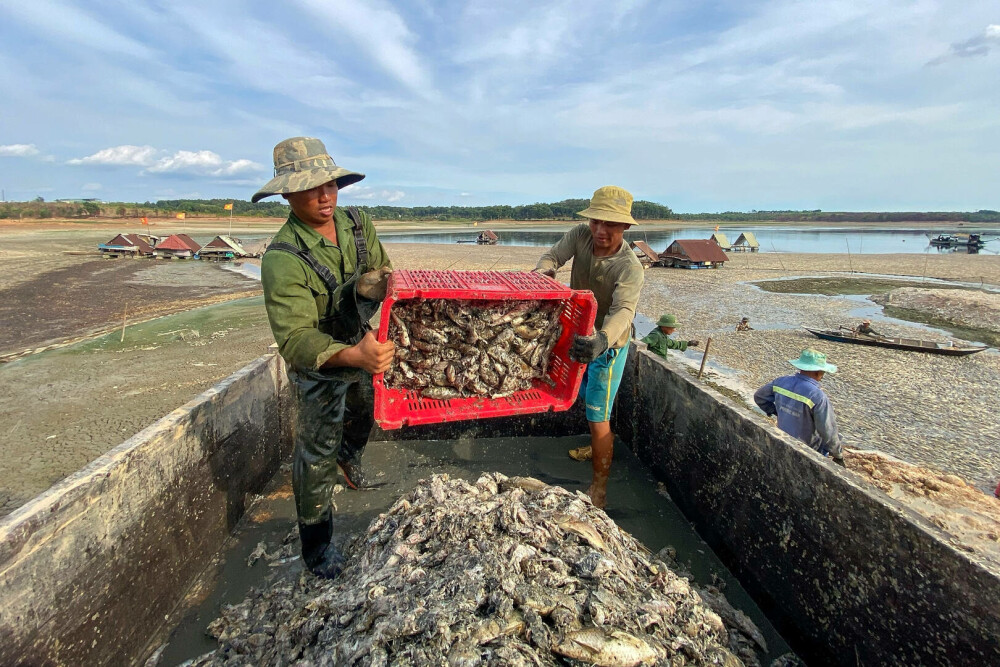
(858, 288)
(772, 238)
(634, 502)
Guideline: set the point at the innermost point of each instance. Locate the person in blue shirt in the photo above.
(801, 405)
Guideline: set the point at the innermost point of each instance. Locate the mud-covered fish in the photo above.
(496, 347)
(496, 572)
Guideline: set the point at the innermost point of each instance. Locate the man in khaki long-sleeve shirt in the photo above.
(606, 265)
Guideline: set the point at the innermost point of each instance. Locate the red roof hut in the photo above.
(177, 245)
(693, 254)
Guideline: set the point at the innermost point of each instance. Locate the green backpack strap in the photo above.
(359, 238)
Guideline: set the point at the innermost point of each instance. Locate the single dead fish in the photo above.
(440, 393)
(608, 649)
(583, 529)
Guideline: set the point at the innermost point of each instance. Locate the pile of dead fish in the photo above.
(451, 348)
(506, 571)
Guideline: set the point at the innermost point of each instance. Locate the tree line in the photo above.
(561, 210)
(982, 215)
(168, 208)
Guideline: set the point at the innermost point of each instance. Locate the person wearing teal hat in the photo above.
(802, 407)
(659, 340)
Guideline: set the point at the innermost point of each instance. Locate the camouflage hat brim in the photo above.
(301, 181)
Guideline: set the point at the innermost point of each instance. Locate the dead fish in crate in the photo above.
(497, 347)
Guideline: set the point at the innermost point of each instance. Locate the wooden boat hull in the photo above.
(909, 344)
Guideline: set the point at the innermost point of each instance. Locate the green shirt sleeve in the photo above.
(676, 344)
(655, 342)
(291, 310)
(659, 342)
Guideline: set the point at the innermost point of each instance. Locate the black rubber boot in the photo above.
(355, 476)
(318, 551)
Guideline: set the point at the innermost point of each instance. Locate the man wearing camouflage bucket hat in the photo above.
(324, 276)
(801, 405)
(606, 265)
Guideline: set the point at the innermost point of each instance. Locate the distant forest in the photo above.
(562, 210)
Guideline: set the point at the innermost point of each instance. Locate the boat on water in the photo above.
(845, 335)
(967, 240)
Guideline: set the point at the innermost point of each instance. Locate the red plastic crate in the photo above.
(395, 408)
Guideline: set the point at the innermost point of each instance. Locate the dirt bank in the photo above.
(94, 295)
(975, 309)
(971, 518)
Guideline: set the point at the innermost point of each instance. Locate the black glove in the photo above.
(587, 348)
(551, 273)
(694, 343)
(839, 460)
(372, 285)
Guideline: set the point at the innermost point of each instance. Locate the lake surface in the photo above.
(771, 238)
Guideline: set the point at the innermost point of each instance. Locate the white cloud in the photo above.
(379, 31)
(373, 194)
(91, 187)
(120, 155)
(199, 163)
(203, 163)
(18, 150)
(68, 25)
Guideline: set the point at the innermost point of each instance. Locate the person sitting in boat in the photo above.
(801, 405)
(744, 325)
(659, 340)
(866, 328)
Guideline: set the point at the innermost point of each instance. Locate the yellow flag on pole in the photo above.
(229, 206)
(181, 216)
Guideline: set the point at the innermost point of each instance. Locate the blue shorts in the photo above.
(600, 383)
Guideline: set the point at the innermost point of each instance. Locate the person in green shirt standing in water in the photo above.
(659, 340)
(324, 276)
(604, 264)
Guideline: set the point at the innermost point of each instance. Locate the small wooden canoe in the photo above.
(911, 344)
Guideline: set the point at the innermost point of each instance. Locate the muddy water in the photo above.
(635, 501)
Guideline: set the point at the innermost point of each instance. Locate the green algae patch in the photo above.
(840, 286)
(202, 323)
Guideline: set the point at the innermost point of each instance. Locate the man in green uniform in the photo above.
(659, 340)
(606, 265)
(324, 276)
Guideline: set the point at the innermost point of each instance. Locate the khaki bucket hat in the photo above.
(302, 163)
(611, 204)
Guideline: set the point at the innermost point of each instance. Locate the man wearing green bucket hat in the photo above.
(324, 276)
(659, 340)
(604, 264)
(802, 407)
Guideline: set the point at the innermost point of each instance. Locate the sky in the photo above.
(700, 105)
